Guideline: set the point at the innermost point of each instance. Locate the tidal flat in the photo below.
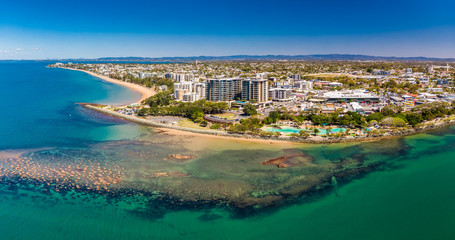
(207, 172)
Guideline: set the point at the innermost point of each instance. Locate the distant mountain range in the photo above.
(315, 57)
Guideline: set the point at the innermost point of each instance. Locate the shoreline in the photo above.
(181, 131)
(184, 131)
(144, 91)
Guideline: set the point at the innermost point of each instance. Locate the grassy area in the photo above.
(190, 124)
(226, 115)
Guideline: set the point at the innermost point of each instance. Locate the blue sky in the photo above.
(73, 29)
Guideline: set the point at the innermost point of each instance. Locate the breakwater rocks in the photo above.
(445, 122)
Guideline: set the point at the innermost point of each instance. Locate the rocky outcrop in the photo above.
(180, 157)
(288, 160)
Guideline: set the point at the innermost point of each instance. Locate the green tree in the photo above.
(203, 123)
(197, 115)
(390, 110)
(375, 116)
(249, 109)
(414, 118)
(143, 112)
(215, 126)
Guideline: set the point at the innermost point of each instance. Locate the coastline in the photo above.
(144, 91)
(184, 131)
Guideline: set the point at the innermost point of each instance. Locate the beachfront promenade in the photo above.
(444, 122)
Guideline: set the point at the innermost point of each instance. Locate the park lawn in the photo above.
(190, 124)
(226, 115)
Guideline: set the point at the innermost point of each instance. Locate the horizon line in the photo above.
(242, 55)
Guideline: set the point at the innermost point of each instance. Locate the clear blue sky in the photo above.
(74, 29)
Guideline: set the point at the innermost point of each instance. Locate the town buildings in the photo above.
(189, 91)
(179, 77)
(401, 84)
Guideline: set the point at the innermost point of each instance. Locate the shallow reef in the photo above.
(173, 173)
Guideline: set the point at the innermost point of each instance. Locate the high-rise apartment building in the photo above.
(255, 89)
(223, 89)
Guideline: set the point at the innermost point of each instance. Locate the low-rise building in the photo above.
(357, 107)
(280, 94)
(303, 85)
(335, 84)
(350, 95)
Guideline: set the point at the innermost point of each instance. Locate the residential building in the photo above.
(189, 91)
(295, 77)
(200, 89)
(223, 89)
(261, 75)
(143, 75)
(178, 94)
(184, 85)
(255, 89)
(179, 77)
(383, 72)
(190, 97)
(303, 85)
(280, 94)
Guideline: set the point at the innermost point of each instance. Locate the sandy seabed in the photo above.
(145, 91)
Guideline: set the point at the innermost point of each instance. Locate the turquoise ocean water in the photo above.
(411, 195)
(39, 107)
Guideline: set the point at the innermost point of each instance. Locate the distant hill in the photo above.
(315, 57)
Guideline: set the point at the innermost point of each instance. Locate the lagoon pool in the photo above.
(289, 130)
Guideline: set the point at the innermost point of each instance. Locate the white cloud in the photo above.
(35, 49)
(19, 49)
(4, 51)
